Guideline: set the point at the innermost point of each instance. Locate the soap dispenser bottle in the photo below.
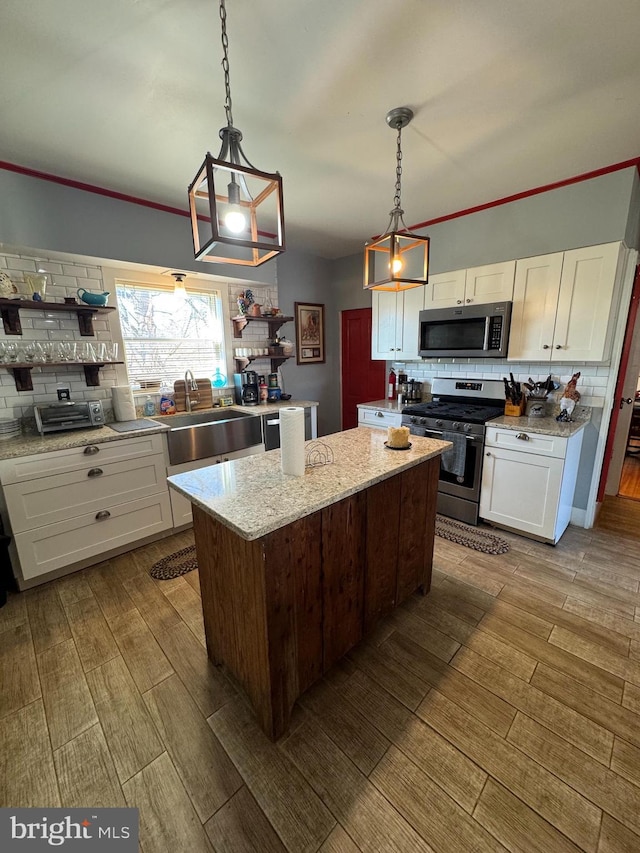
(149, 408)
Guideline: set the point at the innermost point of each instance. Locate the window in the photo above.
(164, 334)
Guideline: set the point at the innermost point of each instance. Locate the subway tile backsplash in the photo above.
(63, 279)
(591, 385)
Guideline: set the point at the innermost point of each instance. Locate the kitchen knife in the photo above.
(507, 390)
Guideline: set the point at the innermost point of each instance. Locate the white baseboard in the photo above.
(578, 517)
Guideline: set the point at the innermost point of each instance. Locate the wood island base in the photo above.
(280, 610)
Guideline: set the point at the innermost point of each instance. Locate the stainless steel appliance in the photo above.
(67, 414)
(246, 388)
(271, 429)
(468, 331)
(458, 412)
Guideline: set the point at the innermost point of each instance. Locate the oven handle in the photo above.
(468, 437)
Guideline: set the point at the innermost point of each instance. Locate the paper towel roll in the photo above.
(292, 440)
(124, 409)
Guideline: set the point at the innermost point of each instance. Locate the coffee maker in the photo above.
(246, 388)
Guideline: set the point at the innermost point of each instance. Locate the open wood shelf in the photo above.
(244, 361)
(22, 371)
(10, 312)
(274, 323)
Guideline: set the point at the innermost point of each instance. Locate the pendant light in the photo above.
(398, 260)
(179, 289)
(236, 210)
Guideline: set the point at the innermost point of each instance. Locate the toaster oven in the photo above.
(67, 414)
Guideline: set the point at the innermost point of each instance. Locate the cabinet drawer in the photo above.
(526, 442)
(67, 542)
(379, 418)
(75, 458)
(46, 500)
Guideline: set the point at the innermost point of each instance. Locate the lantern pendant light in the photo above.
(398, 260)
(236, 210)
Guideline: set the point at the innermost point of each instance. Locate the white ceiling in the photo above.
(508, 95)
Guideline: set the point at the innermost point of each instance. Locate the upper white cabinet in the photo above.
(474, 286)
(562, 304)
(395, 323)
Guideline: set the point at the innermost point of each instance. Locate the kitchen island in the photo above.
(294, 571)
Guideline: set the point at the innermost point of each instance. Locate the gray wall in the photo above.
(38, 214)
(306, 278)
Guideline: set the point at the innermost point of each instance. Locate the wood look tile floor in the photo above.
(500, 712)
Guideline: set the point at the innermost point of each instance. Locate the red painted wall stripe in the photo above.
(596, 173)
(92, 188)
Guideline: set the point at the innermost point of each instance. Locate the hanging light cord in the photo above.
(225, 64)
(396, 198)
(397, 214)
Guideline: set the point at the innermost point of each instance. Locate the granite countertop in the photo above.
(28, 444)
(252, 496)
(542, 426)
(386, 405)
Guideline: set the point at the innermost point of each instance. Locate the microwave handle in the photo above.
(485, 345)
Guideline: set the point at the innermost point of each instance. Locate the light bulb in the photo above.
(179, 288)
(396, 265)
(235, 220)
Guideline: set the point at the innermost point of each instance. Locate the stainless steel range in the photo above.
(457, 413)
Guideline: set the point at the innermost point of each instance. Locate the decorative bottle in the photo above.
(391, 392)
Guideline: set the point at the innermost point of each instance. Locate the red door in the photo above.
(363, 380)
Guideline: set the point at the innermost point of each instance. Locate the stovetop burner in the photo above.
(463, 411)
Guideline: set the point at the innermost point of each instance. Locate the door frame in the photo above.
(628, 278)
(617, 436)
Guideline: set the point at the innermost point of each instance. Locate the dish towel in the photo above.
(453, 460)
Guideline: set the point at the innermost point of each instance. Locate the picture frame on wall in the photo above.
(309, 317)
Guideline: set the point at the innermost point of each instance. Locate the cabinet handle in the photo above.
(488, 454)
(458, 301)
(95, 472)
(523, 436)
(545, 346)
(91, 450)
(104, 513)
(558, 346)
(379, 415)
(468, 301)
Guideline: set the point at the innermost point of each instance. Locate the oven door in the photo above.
(466, 486)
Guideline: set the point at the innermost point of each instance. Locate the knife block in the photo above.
(514, 411)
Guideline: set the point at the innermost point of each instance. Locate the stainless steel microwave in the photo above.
(467, 331)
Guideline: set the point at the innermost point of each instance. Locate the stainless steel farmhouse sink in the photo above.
(198, 435)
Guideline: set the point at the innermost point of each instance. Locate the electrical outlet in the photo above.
(63, 392)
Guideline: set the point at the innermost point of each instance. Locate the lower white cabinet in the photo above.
(92, 534)
(528, 481)
(380, 418)
(72, 506)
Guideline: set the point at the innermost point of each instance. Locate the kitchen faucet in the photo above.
(190, 384)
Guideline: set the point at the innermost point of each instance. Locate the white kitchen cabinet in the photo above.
(473, 286)
(73, 506)
(394, 323)
(563, 304)
(379, 418)
(528, 481)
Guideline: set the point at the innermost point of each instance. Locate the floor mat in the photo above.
(176, 564)
(470, 537)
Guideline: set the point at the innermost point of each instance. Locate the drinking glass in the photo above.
(112, 351)
(39, 353)
(28, 351)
